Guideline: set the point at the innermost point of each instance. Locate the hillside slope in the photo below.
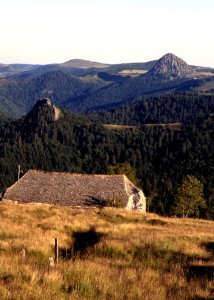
(83, 64)
(82, 86)
(18, 95)
(73, 143)
(184, 108)
(103, 254)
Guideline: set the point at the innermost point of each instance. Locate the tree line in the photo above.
(185, 108)
(160, 156)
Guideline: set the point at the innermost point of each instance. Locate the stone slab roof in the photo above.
(74, 189)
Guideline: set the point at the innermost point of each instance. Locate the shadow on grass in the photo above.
(202, 298)
(82, 244)
(160, 256)
(199, 272)
(202, 272)
(209, 247)
(194, 268)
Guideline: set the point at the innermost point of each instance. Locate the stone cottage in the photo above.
(77, 190)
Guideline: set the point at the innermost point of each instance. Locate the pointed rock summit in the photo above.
(172, 65)
(44, 110)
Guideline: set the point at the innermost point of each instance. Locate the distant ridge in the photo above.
(81, 85)
(172, 65)
(83, 64)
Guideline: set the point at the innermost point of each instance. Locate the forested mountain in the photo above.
(16, 69)
(161, 156)
(83, 64)
(77, 67)
(17, 96)
(185, 108)
(83, 86)
(3, 119)
(132, 89)
(166, 105)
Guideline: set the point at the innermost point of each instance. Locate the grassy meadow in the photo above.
(103, 254)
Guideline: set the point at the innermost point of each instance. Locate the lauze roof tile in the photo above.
(76, 190)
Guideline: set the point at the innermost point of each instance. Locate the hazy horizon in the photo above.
(44, 32)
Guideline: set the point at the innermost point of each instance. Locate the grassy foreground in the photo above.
(104, 254)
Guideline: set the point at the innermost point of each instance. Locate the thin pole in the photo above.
(19, 169)
(56, 250)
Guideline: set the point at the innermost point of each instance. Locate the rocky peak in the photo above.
(44, 110)
(171, 65)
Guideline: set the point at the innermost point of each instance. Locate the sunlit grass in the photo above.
(104, 254)
(117, 127)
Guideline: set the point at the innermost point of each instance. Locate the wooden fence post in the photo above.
(56, 250)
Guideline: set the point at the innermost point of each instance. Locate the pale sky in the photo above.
(107, 31)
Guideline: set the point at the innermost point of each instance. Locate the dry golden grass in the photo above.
(206, 73)
(118, 127)
(104, 254)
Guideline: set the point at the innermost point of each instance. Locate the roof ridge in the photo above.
(77, 174)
